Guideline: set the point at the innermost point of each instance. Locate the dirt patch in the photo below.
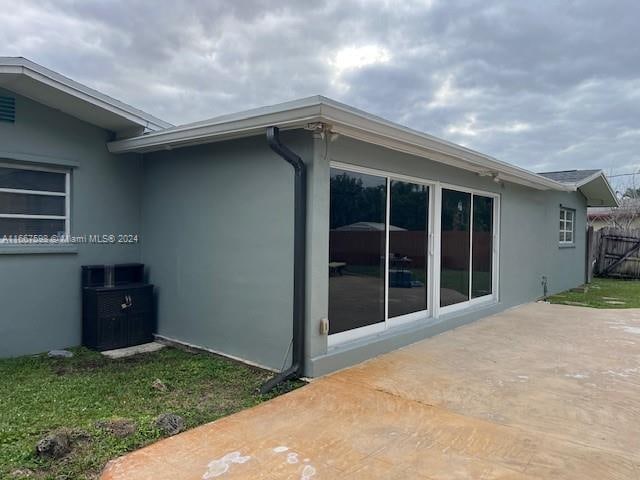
(120, 427)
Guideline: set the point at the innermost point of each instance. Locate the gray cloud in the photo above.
(545, 85)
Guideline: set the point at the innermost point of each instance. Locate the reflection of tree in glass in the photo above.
(482, 214)
(352, 201)
(409, 206)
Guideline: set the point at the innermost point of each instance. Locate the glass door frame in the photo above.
(493, 297)
(433, 311)
(432, 251)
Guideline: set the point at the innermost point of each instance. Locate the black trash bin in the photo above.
(117, 306)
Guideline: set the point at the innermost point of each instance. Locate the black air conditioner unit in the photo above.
(117, 306)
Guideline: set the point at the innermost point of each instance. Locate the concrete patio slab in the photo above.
(540, 391)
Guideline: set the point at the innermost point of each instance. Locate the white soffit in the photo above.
(598, 192)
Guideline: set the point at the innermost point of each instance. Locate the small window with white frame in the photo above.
(567, 226)
(34, 204)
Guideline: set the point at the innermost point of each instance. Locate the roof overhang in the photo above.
(343, 120)
(597, 191)
(31, 80)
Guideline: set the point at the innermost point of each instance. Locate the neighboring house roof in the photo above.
(593, 184)
(629, 207)
(45, 86)
(344, 120)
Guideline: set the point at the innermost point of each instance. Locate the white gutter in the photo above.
(344, 120)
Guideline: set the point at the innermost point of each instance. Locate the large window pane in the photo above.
(20, 203)
(481, 282)
(454, 261)
(356, 250)
(408, 248)
(21, 179)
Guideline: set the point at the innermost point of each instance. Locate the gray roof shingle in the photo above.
(569, 176)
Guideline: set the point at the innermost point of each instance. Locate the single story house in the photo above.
(303, 237)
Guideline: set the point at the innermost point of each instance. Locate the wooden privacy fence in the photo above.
(616, 253)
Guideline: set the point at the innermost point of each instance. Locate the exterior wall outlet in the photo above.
(324, 326)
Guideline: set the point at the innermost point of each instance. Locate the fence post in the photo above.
(589, 254)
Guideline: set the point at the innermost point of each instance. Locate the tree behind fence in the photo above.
(617, 252)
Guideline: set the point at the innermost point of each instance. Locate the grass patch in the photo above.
(603, 293)
(40, 394)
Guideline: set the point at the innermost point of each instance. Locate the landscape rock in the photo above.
(120, 427)
(159, 385)
(54, 445)
(60, 354)
(59, 443)
(170, 423)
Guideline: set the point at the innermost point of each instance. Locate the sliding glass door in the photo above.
(357, 250)
(482, 247)
(455, 247)
(466, 251)
(378, 250)
(408, 251)
(382, 250)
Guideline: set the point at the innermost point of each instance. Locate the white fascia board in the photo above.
(22, 66)
(342, 119)
(226, 129)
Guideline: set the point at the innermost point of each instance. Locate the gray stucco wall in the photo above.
(218, 240)
(40, 293)
(529, 247)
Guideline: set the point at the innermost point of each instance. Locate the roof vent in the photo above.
(7, 109)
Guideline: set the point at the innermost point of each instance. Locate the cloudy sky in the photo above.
(547, 85)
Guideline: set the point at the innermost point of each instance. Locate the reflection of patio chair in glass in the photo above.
(400, 274)
(335, 268)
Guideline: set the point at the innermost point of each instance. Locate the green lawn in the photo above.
(603, 293)
(39, 394)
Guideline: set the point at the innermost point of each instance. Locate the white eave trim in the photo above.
(216, 132)
(387, 134)
(599, 175)
(343, 120)
(22, 66)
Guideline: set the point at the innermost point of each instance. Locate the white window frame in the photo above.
(66, 194)
(433, 311)
(564, 229)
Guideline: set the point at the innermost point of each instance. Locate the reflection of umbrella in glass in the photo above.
(369, 227)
